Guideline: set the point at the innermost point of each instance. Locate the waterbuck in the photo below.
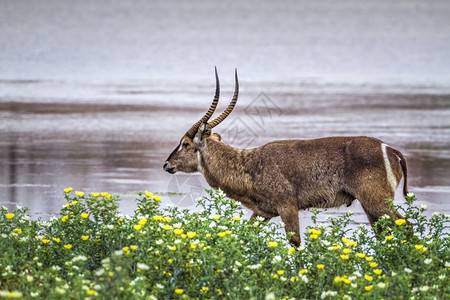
(283, 177)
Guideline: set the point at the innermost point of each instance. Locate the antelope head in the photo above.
(184, 157)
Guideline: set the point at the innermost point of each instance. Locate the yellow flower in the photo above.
(142, 222)
(418, 247)
(320, 266)
(95, 195)
(191, 234)
(84, 237)
(204, 289)
(219, 291)
(79, 194)
(17, 230)
(378, 271)
(68, 190)
(303, 271)
(346, 280)
(167, 227)
(170, 260)
(179, 291)
(314, 236)
(274, 276)
(352, 243)
(157, 218)
(173, 248)
(389, 237)
(216, 217)
(369, 258)
(178, 231)
(90, 292)
(137, 227)
(273, 244)
(400, 222)
(65, 218)
(236, 218)
(344, 240)
(73, 203)
(56, 239)
(68, 246)
(294, 279)
(222, 234)
(373, 264)
(368, 288)
(228, 232)
(314, 231)
(368, 277)
(167, 219)
(291, 250)
(280, 272)
(126, 249)
(424, 249)
(157, 198)
(208, 235)
(148, 194)
(343, 256)
(337, 279)
(9, 216)
(45, 241)
(346, 250)
(360, 255)
(336, 247)
(84, 215)
(133, 247)
(193, 246)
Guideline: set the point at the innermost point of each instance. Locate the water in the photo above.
(120, 145)
(182, 41)
(95, 95)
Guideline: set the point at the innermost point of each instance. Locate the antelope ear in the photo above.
(216, 136)
(204, 131)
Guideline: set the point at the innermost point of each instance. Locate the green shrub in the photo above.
(92, 251)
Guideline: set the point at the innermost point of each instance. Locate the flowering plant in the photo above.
(92, 251)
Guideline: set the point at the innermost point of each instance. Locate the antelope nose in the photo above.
(168, 168)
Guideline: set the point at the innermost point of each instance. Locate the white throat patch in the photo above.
(199, 163)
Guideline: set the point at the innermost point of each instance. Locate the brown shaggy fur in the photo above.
(283, 177)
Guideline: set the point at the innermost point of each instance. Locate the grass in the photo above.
(92, 251)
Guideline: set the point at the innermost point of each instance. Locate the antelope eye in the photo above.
(185, 144)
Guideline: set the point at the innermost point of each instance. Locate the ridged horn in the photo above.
(193, 130)
(230, 107)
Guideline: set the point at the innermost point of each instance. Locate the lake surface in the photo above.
(117, 142)
(96, 95)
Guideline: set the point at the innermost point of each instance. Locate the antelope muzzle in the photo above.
(168, 168)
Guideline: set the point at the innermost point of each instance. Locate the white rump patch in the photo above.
(389, 173)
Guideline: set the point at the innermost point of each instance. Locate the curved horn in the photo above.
(193, 130)
(230, 107)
